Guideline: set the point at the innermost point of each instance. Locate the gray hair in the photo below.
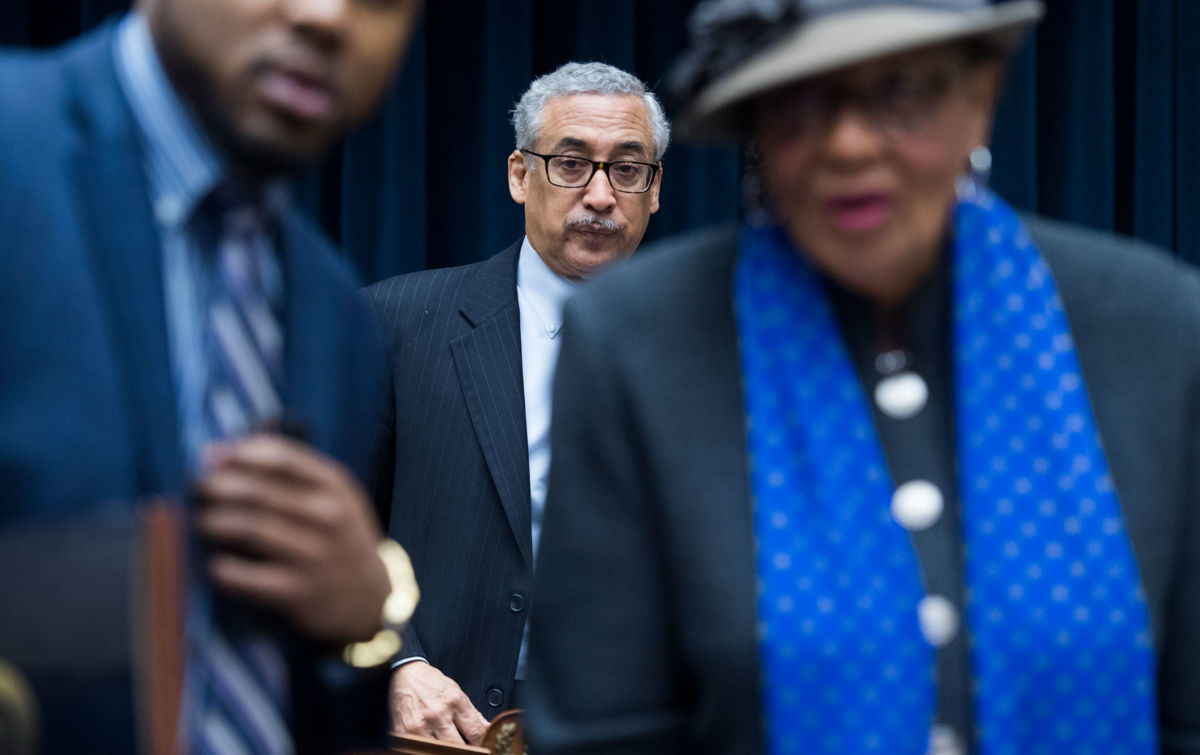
(585, 78)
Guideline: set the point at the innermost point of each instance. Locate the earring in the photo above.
(979, 172)
(981, 165)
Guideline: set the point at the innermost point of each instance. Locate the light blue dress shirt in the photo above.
(541, 295)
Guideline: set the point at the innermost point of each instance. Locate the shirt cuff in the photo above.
(410, 659)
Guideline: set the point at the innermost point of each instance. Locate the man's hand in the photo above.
(425, 701)
(293, 531)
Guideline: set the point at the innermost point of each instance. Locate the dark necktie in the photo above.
(240, 676)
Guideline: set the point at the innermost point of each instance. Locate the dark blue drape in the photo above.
(1100, 124)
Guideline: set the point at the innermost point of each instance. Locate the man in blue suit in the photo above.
(151, 343)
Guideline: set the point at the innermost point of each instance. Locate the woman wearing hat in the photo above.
(888, 469)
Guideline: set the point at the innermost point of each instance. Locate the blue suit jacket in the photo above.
(88, 417)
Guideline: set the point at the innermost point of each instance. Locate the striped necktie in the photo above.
(239, 672)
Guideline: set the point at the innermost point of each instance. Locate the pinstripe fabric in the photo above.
(454, 480)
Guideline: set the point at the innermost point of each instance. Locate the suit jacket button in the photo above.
(516, 602)
(495, 697)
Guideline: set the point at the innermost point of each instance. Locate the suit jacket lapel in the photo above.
(127, 252)
(488, 359)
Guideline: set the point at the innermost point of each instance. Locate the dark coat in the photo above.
(643, 635)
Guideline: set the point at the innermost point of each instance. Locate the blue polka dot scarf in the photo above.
(1060, 639)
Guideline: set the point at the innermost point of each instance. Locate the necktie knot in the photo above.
(230, 197)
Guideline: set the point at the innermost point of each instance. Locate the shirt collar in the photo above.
(545, 291)
(182, 164)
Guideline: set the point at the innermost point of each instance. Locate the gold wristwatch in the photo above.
(397, 610)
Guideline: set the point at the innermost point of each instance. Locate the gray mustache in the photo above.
(611, 226)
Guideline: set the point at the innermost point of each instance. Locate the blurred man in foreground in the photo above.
(171, 326)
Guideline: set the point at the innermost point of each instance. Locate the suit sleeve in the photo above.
(381, 473)
(410, 647)
(383, 459)
(602, 677)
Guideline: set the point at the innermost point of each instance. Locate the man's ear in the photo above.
(518, 174)
(654, 187)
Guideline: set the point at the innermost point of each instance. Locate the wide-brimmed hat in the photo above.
(742, 48)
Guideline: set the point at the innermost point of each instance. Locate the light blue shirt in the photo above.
(541, 296)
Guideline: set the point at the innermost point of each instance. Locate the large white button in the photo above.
(902, 395)
(917, 504)
(939, 620)
(944, 740)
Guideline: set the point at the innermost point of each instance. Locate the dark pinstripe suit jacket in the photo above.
(454, 467)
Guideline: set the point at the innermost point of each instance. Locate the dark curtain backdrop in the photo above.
(1100, 124)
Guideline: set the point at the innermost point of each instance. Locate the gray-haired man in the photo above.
(473, 351)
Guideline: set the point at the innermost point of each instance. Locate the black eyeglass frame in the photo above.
(599, 165)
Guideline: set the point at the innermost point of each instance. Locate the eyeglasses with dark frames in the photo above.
(575, 172)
